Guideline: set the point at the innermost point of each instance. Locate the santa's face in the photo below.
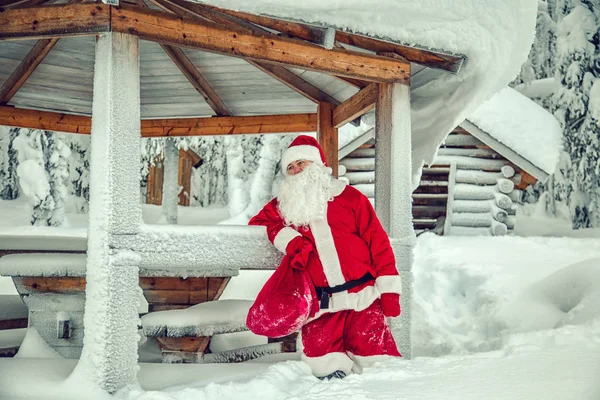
(295, 167)
(303, 196)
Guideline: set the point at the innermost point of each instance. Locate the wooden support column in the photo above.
(393, 190)
(109, 355)
(170, 182)
(327, 135)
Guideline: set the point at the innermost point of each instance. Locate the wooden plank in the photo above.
(172, 283)
(20, 3)
(192, 74)
(427, 58)
(295, 82)
(186, 344)
(216, 286)
(167, 296)
(284, 123)
(357, 105)
(20, 75)
(54, 21)
(184, 178)
(16, 323)
(165, 28)
(49, 284)
(327, 135)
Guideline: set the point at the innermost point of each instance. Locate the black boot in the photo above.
(336, 374)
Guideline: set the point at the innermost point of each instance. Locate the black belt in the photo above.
(323, 293)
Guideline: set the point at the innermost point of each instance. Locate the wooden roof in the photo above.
(55, 73)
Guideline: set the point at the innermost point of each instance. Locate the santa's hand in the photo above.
(390, 304)
(299, 249)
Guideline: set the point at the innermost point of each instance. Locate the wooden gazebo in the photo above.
(134, 69)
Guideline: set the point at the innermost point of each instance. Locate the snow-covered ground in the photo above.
(494, 318)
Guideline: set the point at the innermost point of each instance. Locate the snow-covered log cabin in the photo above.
(174, 68)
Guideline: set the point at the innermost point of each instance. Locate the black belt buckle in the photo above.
(323, 298)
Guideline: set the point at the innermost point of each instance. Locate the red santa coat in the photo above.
(349, 244)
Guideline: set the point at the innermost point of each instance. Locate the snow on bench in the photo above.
(204, 319)
(184, 335)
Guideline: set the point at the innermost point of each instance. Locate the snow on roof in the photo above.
(494, 35)
(522, 125)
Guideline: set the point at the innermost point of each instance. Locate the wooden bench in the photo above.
(184, 336)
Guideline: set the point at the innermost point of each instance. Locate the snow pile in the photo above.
(203, 319)
(468, 300)
(570, 296)
(523, 126)
(494, 36)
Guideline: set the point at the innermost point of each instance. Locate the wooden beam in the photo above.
(54, 21)
(327, 135)
(22, 118)
(161, 27)
(427, 58)
(284, 123)
(187, 67)
(355, 106)
(24, 70)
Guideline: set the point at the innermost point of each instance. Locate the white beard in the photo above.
(303, 197)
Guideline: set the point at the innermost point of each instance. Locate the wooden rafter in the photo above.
(427, 58)
(189, 70)
(55, 21)
(284, 123)
(355, 106)
(277, 72)
(19, 76)
(161, 27)
(187, 67)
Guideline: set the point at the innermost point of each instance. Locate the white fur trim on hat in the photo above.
(301, 152)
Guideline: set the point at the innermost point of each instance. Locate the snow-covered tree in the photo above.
(9, 183)
(79, 172)
(33, 178)
(57, 154)
(577, 70)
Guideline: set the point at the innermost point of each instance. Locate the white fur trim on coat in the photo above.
(330, 362)
(284, 237)
(302, 152)
(327, 252)
(337, 187)
(389, 284)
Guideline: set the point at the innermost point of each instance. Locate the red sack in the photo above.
(284, 303)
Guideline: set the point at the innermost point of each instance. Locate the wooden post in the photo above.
(109, 355)
(393, 190)
(171, 182)
(327, 135)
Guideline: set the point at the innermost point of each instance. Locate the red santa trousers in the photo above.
(347, 340)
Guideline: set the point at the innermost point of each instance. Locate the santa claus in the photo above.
(331, 231)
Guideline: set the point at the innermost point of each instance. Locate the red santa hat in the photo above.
(303, 148)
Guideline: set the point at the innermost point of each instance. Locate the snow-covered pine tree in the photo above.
(79, 172)
(33, 178)
(209, 181)
(9, 182)
(57, 166)
(577, 69)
